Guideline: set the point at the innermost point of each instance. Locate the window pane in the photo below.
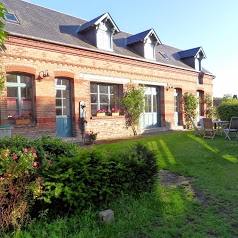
(93, 109)
(103, 89)
(93, 98)
(154, 103)
(66, 93)
(147, 103)
(12, 92)
(103, 98)
(93, 88)
(58, 102)
(58, 93)
(26, 104)
(58, 111)
(65, 82)
(66, 102)
(66, 111)
(25, 79)
(11, 78)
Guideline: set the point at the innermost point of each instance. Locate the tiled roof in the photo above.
(191, 52)
(96, 20)
(141, 36)
(45, 24)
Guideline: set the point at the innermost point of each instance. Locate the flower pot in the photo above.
(101, 114)
(115, 113)
(23, 121)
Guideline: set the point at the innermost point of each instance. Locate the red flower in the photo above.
(36, 165)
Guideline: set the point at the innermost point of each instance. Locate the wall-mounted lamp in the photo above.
(169, 86)
(43, 74)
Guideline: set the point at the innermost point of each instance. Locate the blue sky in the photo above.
(183, 24)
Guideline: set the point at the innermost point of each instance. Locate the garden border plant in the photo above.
(47, 170)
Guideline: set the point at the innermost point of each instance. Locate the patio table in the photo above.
(220, 125)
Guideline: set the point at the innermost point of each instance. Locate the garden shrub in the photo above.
(54, 148)
(94, 177)
(18, 186)
(90, 178)
(227, 109)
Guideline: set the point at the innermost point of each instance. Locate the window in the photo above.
(164, 55)
(19, 95)
(104, 37)
(10, 17)
(104, 96)
(149, 49)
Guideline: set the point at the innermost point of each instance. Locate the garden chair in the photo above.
(198, 129)
(208, 130)
(233, 128)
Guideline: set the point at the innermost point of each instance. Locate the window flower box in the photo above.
(101, 113)
(115, 111)
(23, 121)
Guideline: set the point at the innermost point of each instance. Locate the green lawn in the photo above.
(206, 207)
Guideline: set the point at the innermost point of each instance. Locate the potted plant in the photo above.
(101, 113)
(23, 119)
(90, 137)
(115, 111)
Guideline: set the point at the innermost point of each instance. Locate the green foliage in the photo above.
(133, 102)
(209, 105)
(190, 105)
(54, 148)
(18, 185)
(227, 109)
(100, 177)
(3, 34)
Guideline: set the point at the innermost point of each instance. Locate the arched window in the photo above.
(19, 96)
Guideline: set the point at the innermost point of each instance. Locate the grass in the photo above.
(207, 207)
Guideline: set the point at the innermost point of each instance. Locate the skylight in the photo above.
(164, 55)
(10, 17)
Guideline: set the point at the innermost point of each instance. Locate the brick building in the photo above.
(61, 69)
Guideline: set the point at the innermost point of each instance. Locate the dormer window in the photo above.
(144, 43)
(104, 36)
(99, 31)
(149, 49)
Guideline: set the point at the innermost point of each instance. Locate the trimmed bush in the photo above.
(228, 109)
(94, 178)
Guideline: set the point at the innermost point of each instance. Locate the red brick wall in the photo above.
(29, 56)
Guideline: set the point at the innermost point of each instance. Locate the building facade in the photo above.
(60, 70)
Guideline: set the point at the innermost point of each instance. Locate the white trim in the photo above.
(150, 83)
(99, 78)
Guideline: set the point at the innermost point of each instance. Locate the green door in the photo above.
(63, 107)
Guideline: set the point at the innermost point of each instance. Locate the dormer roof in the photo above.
(96, 21)
(195, 52)
(143, 36)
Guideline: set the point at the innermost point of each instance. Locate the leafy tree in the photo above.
(133, 103)
(190, 105)
(3, 36)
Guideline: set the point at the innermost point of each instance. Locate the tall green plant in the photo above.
(133, 102)
(3, 36)
(209, 105)
(190, 102)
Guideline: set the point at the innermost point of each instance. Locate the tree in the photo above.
(3, 36)
(190, 105)
(133, 103)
